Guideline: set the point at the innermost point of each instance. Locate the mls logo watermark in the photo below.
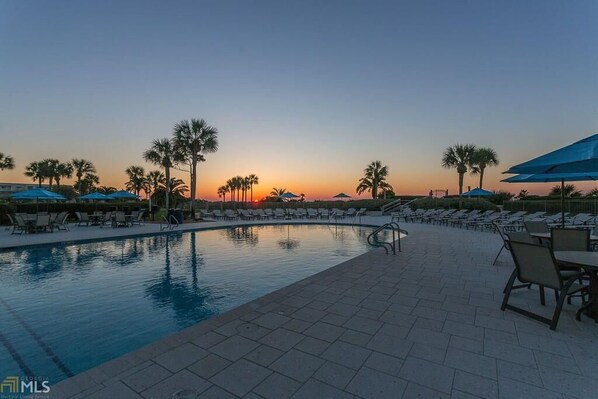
(13, 387)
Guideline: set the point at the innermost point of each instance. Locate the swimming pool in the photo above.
(65, 309)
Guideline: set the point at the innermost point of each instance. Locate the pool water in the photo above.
(65, 309)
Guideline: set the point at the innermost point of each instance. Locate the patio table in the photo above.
(588, 261)
(547, 236)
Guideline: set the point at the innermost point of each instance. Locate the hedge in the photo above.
(453, 203)
(369, 204)
(552, 205)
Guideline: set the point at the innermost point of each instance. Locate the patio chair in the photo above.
(82, 217)
(42, 223)
(60, 222)
(20, 226)
(536, 226)
(120, 220)
(351, 212)
(137, 220)
(535, 264)
(522, 236)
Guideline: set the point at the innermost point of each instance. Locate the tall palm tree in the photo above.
(136, 179)
(238, 182)
(192, 140)
(37, 172)
(106, 190)
(63, 170)
(483, 158)
(175, 189)
(253, 179)
(374, 178)
(460, 157)
(51, 169)
(245, 184)
(6, 162)
(88, 183)
(81, 167)
(163, 153)
(222, 190)
(231, 186)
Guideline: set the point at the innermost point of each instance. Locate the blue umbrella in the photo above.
(288, 195)
(95, 196)
(551, 177)
(477, 192)
(122, 194)
(578, 158)
(37, 194)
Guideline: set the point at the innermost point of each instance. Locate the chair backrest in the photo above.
(42, 220)
(518, 236)
(140, 215)
(533, 226)
(120, 217)
(536, 264)
(20, 221)
(12, 221)
(570, 239)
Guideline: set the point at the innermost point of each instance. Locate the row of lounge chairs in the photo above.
(476, 219)
(279, 213)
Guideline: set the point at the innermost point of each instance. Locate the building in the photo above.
(6, 189)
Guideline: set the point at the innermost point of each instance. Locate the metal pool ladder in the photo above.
(396, 237)
(168, 223)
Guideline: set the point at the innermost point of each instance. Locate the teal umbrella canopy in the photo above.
(551, 177)
(579, 157)
(288, 195)
(122, 194)
(37, 194)
(95, 196)
(477, 192)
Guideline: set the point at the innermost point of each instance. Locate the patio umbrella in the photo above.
(95, 196)
(122, 194)
(342, 195)
(477, 192)
(288, 195)
(37, 194)
(570, 162)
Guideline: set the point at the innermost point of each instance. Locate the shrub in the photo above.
(6, 209)
(453, 203)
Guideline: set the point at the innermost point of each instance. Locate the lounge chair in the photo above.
(312, 213)
(324, 214)
(261, 215)
(137, 220)
(245, 215)
(60, 221)
(269, 213)
(20, 226)
(300, 213)
(535, 264)
(82, 217)
(229, 214)
(279, 214)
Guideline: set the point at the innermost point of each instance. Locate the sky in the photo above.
(304, 93)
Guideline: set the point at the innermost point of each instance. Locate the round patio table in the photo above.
(547, 236)
(588, 261)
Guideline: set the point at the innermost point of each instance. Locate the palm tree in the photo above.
(231, 186)
(106, 190)
(50, 167)
(192, 140)
(37, 172)
(238, 183)
(253, 179)
(459, 156)
(222, 190)
(482, 158)
(154, 179)
(245, 184)
(175, 190)
(136, 179)
(63, 170)
(374, 178)
(88, 183)
(6, 162)
(163, 153)
(570, 191)
(81, 167)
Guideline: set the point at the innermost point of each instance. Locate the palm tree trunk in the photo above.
(251, 186)
(374, 191)
(193, 180)
(167, 188)
(39, 182)
(460, 183)
(481, 176)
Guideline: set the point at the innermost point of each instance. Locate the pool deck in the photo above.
(425, 323)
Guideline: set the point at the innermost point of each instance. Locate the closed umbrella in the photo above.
(572, 163)
(342, 195)
(288, 196)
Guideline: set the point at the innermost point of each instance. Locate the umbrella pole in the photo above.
(563, 203)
